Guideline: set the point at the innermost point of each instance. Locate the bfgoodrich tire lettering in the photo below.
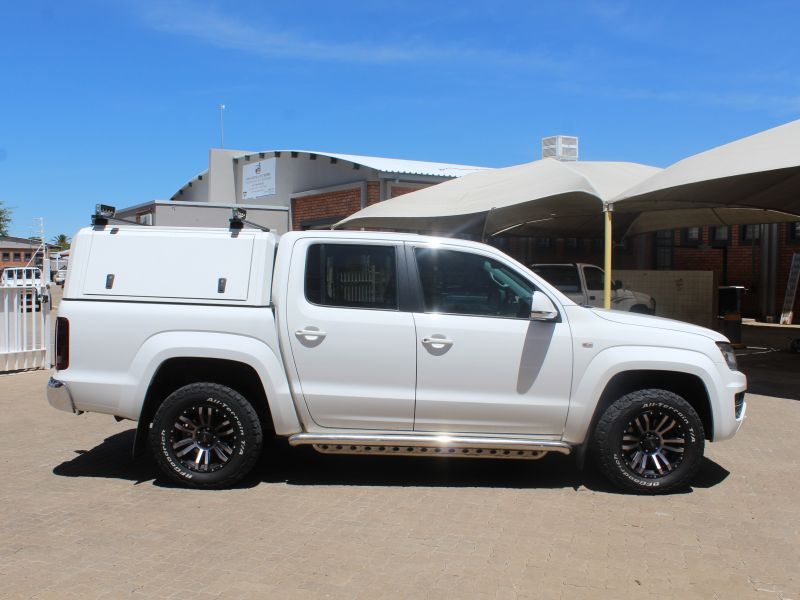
(206, 435)
(649, 441)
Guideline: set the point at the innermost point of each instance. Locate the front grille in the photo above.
(738, 404)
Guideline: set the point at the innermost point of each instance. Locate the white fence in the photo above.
(25, 328)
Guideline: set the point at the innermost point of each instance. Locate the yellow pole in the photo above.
(607, 262)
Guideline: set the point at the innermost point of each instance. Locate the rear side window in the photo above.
(352, 276)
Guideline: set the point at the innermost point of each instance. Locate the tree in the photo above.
(61, 241)
(5, 218)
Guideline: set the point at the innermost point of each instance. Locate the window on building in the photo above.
(720, 236)
(6, 256)
(598, 244)
(749, 234)
(352, 276)
(794, 231)
(692, 236)
(664, 240)
(571, 243)
(28, 256)
(541, 242)
(470, 284)
(17, 256)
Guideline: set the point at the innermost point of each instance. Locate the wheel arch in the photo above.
(688, 386)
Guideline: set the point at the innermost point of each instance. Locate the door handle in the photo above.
(432, 341)
(310, 333)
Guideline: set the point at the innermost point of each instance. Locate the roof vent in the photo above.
(560, 147)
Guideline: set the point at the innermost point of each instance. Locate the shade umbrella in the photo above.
(546, 192)
(759, 172)
(753, 180)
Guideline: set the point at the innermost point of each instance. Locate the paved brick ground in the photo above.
(79, 518)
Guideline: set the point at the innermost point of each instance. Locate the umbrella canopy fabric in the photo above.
(544, 191)
(758, 173)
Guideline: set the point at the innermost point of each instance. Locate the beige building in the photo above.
(289, 189)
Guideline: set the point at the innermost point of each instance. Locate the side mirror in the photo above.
(617, 285)
(542, 308)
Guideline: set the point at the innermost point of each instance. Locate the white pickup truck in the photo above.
(583, 283)
(375, 343)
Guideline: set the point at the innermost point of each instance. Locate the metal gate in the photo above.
(25, 327)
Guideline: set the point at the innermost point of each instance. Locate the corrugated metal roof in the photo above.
(411, 167)
(379, 163)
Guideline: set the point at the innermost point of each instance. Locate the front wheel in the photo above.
(206, 435)
(649, 441)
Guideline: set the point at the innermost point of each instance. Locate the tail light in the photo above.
(62, 343)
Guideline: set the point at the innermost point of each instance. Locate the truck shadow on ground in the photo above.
(304, 467)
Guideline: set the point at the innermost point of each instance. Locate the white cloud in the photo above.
(223, 31)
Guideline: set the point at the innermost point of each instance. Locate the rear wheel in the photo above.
(649, 441)
(206, 435)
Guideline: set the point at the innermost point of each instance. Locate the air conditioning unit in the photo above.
(560, 147)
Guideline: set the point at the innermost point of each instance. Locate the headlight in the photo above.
(728, 354)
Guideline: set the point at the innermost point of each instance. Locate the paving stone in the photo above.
(80, 519)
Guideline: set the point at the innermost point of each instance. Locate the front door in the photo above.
(352, 347)
(482, 365)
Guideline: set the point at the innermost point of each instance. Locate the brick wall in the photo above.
(24, 257)
(400, 190)
(327, 205)
(373, 192)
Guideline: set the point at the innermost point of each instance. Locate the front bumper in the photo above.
(59, 397)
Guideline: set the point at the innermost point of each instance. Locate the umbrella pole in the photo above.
(607, 209)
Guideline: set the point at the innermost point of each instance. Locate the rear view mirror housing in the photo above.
(542, 308)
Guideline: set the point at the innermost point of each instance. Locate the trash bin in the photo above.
(730, 311)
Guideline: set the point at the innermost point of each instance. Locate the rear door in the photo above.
(482, 365)
(352, 346)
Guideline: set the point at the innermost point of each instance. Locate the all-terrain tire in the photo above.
(206, 435)
(649, 441)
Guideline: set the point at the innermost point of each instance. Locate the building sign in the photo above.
(258, 179)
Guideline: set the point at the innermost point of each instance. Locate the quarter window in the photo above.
(469, 284)
(352, 276)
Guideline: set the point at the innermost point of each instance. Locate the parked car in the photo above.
(60, 277)
(583, 283)
(375, 343)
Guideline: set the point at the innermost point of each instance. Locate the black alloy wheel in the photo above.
(649, 441)
(206, 435)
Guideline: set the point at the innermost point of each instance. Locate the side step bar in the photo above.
(417, 445)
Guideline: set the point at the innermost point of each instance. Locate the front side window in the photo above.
(462, 283)
(352, 276)
(594, 278)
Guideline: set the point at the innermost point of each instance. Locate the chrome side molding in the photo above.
(356, 442)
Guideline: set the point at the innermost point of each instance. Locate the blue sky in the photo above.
(116, 102)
